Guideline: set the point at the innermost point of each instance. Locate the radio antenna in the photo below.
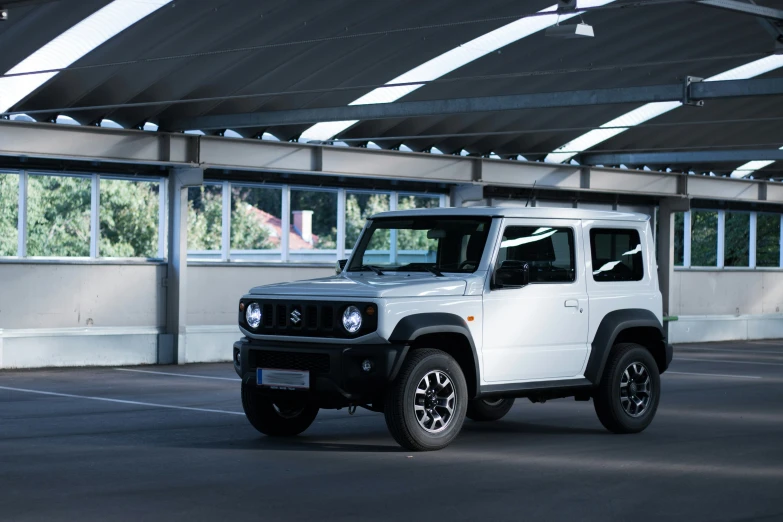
(531, 193)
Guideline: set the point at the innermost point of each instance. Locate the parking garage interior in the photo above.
(159, 158)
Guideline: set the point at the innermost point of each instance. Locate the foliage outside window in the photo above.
(129, 218)
(256, 222)
(409, 201)
(358, 208)
(58, 216)
(205, 217)
(9, 214)
(322, 222)
(704, 238)
(679, 239)
(737, 239)
(768, 240)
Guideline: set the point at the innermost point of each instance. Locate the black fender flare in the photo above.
(611, 325)
(414, 326)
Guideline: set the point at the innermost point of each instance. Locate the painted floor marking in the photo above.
(119, 401)
(172, 374)
(727, 361)
(714, 375)
(730, 350)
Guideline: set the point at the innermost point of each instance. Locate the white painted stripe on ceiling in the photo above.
(72, 45)
(448, 62)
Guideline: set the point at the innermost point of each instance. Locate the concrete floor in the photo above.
(110, 444)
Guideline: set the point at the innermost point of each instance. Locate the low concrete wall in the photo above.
(710, 328)
(726, 292)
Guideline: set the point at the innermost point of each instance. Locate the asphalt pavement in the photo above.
(171, 443)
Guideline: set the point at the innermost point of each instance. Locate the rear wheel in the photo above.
(277, 418)
(481, 410)
(627, 397)
(425, 405)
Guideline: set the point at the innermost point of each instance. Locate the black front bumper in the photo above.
(337, 378)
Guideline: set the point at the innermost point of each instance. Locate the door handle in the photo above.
(572, 303)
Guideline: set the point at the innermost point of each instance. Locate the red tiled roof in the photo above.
(274, 225)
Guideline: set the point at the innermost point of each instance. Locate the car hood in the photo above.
(367, 284)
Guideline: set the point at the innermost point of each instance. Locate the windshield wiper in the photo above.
(371, 267)
(433, 270)
(417, 266)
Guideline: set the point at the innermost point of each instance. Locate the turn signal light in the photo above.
(470, 318)
(241, 307)
(370, 310)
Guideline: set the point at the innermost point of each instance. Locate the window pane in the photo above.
(313, 226)
(737, 239)
(9, 214)
(256, 223)
(679, 239)
(408, 201)
(704, 238)
(359, 207)
(768, 240)
(205, 217)
(129, 218)
(616, 254)
(58, 216)
(548, 251)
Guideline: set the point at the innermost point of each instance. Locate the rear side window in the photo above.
(548, 251)
(617, 255)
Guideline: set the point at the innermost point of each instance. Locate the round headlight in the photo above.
(253, 315)
(352, 319)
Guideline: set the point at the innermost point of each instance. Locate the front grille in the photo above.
(314, 362)
(307, 318)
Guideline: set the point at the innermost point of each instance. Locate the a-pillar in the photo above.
(176, 296)
(665, 246)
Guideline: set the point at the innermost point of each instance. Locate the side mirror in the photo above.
(340, 266)
(512, 274)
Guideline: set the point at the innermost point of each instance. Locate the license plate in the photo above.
(283, 379)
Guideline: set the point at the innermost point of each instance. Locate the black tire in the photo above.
(402, 418)
(483, 410)
(611, 409)
(277, 419)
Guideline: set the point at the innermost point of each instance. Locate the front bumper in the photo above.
(336, 375)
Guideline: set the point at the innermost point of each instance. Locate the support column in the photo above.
(175, 350)
(665, 246)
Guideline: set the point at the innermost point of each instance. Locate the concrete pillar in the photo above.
(173, 350)
(665, 245)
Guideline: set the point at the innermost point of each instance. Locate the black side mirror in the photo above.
(340, 266)
(512, 274)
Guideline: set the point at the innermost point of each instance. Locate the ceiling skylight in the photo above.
(72, 45)
(750, 167)
(651, 110)
(448, 62)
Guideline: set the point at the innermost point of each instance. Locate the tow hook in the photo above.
(351, 409)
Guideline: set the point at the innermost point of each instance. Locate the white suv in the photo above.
(441, 314)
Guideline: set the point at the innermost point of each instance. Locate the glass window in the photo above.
(359, 207)
(616, 254)
(129, 218)
(409, 201)
(313, 234)
(205, 218)
(679, 239)
(9, 214)
(704, 238)
(256, 223)
(443, 244)
(768, 240)
(737, 239)
(548, 251)
(58, 216)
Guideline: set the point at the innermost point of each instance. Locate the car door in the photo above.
(539, 331)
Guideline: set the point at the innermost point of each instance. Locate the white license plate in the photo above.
(283, 378)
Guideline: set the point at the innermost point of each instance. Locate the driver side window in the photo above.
(548, 251)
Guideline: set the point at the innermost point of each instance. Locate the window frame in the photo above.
(591, 243)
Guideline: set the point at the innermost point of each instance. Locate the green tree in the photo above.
(768, 240)
(359, 207)
(129, 218)
(9, 208)
(205, 218)
(704, 238)
(58, 216)
(247, 232)
(737, 239)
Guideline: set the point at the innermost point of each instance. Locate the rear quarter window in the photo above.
(617, 255)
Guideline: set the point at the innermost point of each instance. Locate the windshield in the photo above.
(422, 243)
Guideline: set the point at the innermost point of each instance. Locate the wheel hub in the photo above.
(635, 389)
(434, 401)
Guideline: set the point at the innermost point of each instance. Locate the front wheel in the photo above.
(627, 397)
(425, 405)
(277, 418)
(481, 410)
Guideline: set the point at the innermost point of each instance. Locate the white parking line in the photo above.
(714, 375)
(729, 350)
(179, 375)
(727, 361)
(119, 401)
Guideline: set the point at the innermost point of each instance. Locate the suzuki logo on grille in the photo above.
(296, 316)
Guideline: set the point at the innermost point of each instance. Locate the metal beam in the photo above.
(685, 157)
(745, 8)
(644, 94)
